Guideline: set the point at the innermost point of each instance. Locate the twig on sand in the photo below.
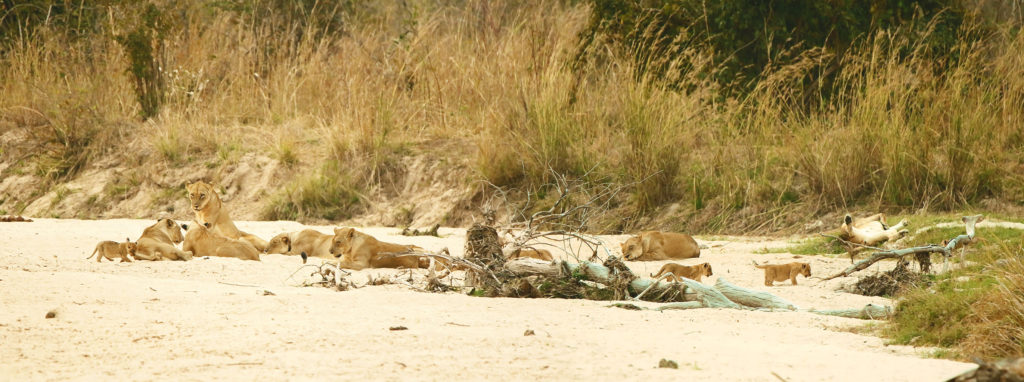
(779, 377)
(241, 285)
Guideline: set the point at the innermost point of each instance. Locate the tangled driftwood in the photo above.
(692, 294)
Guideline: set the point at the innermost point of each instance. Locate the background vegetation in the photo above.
(740, 112)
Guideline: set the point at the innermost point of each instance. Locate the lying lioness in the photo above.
(113, 250)
(306, 243)
(157, 242)
(209, 209)
(654, 245)
(781, 272)
(694, 273)
(871, 230)
(540, 254)
(201, 241)
(357, 250)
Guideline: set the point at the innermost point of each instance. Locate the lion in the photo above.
(157, 242)
(677, 271)
(202, 241)
(306, 243)
(112, 250)
(655, 245)
(871, 230)
(209, 209)
(781, 272)
(357, 250)
(540, 254)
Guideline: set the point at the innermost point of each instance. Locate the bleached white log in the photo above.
(752, 298)
(868, 312)
(680, 306)
(710, 298)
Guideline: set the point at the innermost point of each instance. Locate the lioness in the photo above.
(871, 230)
(781, 272)
(695, 272)
(157, 242)
(357, 250)
(112, 250)
(306, 243)
(654, 245)
(540, 254)
(209, 209)
(202, 241)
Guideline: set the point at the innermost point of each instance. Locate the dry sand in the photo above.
(183, 320)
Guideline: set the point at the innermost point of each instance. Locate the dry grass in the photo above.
(502, 77)
(997, 319)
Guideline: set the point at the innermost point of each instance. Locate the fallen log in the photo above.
(752, 298)
(595, 272)
(868, 312)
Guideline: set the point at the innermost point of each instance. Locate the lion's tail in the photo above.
(759, 266)
(94, 252)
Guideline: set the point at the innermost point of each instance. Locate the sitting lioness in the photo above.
(781, 272)
(157, 242)
(306, 243)
(209, 209)
(357, 250)
(655, 245)
(113, 250)
(676, 271)
(871, 230)
(202, 241)
(540, 254)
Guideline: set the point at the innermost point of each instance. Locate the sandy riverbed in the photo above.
(184, 320)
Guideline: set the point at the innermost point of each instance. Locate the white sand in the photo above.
(179, 320)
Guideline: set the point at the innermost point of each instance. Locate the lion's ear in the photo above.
(170, 223)
(351, 233)
(848, 219)
(286, 240)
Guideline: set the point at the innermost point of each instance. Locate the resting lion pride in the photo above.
(209, 209)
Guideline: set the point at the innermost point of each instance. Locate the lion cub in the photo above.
(677, 271)
(781, 272)
(112, 250)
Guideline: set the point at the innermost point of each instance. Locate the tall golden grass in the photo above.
(501, 79)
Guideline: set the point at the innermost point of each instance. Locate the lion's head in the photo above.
(805, 269)
(632, 248)
(165, 227)
(705, 269)
(279, 244)
(342, 241)
(199, 194)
